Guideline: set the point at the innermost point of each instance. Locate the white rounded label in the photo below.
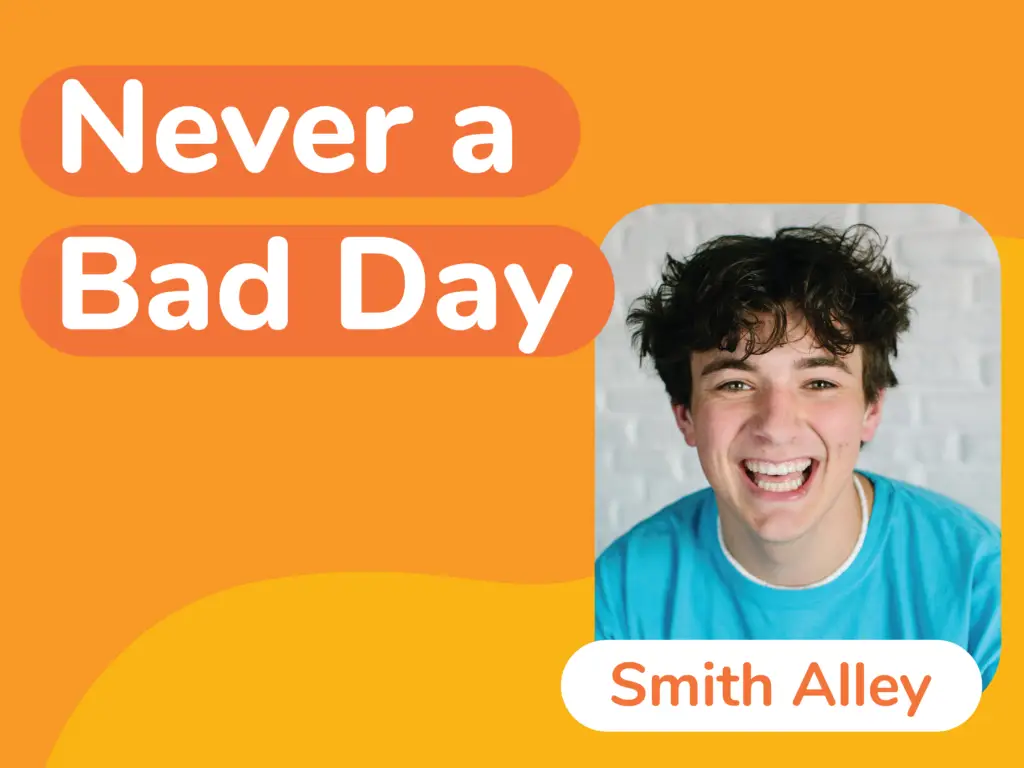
(771, 685)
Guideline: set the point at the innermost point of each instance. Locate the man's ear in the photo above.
(872, 418)
(684, 420)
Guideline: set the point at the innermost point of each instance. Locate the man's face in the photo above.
(778, 435)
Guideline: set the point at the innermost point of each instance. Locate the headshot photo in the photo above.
(798, 427)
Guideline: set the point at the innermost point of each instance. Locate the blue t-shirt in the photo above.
(929, 569)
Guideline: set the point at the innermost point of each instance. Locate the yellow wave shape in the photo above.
(392, 669)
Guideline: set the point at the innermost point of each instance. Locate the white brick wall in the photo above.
(941, 426)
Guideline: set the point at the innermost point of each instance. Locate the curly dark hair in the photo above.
(838, 280)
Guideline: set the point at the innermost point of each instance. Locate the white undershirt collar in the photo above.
(835, 575)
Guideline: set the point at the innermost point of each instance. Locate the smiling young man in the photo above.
(776, 356)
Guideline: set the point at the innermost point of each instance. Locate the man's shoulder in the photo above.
(924, 510)
(672, 527)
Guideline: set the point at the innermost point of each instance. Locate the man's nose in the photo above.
(776, 416)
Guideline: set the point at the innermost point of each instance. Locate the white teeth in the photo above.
(786, 468)
(791, 485)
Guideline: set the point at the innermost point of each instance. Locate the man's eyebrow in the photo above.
(824, 362)
(725, 363)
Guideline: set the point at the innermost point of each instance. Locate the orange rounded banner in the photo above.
(317, 291)
(285, 131)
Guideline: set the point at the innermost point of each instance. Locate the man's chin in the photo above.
(778, 523)
(778, 535)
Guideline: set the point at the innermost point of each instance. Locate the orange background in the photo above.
(137, 490)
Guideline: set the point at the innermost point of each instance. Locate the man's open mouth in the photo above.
(781, 477)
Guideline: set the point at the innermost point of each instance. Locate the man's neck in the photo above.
(814, 556)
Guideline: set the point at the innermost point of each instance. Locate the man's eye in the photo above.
(821, 384)
(732, 386)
